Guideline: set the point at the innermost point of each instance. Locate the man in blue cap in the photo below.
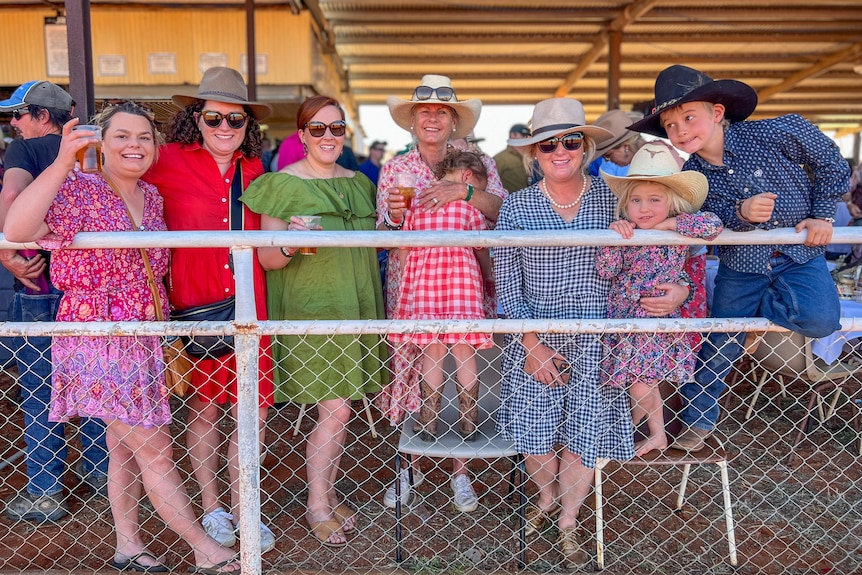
(39, 109)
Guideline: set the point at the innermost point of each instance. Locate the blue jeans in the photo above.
(799, 297)
(46, 442)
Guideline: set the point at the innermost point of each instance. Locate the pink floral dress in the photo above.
(634, 272)
(116, 377)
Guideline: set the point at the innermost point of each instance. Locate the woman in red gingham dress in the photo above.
(446, 283)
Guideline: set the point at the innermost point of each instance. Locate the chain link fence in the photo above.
(789, 432)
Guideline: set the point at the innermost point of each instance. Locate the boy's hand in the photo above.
(758, 209)
(623, 228)
(819, 232)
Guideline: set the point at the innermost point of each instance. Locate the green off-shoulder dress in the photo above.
(336, 283)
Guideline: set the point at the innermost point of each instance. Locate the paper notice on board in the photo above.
(56, 50)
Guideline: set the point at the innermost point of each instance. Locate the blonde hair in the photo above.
(676, 203)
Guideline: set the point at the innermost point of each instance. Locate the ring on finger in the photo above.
(436, 201)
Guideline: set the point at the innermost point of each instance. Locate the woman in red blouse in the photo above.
(212, 140)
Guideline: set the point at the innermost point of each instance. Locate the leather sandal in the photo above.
(571, 548)
(538, 519)
(342, 513)
(323, 530)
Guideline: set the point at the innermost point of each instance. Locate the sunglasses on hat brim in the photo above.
(443, 93)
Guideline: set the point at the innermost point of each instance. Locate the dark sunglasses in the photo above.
(443, 93)
(318, 129)
(571, 142)
(17, 114)
(235, 120)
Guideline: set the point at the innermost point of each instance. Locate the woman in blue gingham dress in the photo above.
(551, 404)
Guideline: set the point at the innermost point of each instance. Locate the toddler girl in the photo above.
(446, 283)
(654, 196)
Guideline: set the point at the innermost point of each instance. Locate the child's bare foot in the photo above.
(652, 442)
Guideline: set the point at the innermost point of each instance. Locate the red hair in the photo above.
(311, 106)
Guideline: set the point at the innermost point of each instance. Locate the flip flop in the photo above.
(217, 568)
(132, 564)
(342, 513)
(322, 530)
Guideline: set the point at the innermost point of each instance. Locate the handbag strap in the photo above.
(151, 279)
(236, 212)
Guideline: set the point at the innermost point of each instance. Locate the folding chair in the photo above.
(448, 444)
(366, 408)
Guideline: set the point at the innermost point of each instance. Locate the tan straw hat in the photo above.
(654, 163)
(615, 121)
(426, 93)
(557, 116)
(226, 85)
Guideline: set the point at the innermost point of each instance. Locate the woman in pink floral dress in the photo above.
(654, 195)
(116, 378)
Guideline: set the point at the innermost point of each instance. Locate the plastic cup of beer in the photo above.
(406, 184)
(312, 223)
(90, 158)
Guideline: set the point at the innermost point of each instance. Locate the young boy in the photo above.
(757, 180)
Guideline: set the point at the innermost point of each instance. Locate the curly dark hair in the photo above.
(183, 128)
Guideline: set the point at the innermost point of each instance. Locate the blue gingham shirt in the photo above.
(768, 156)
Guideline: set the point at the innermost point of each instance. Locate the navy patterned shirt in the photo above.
(768, 156)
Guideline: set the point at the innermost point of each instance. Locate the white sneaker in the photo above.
(219, 525)
(267, 539)
(465, 499)
(389, 496)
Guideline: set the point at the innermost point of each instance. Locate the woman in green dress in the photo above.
(335, 283)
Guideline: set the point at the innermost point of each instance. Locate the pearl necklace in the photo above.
(554, 203)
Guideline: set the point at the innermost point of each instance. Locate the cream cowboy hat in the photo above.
(226, 85)
(617, 122)
(654, 163)
(557, 116)
(468, 110)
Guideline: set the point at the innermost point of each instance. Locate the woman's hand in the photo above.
(437, 196)
(661, 306)
(397, 205)
(623, 228)
(546, 366)
(73, 140)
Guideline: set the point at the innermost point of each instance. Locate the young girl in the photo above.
(654, 196)
(446, 283)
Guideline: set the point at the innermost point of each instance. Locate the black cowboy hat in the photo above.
(678, 85)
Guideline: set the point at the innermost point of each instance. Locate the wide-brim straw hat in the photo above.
(468, 110)
(678, 85)
(226, 85)
(617, 123)
(557, 116)
(654, 163)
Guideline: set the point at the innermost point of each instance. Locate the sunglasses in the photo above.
(318, 129)
(443, 93)
(235, 120)
(571, 142)
(17, 114)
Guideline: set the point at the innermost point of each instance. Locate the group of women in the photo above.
(561, 420)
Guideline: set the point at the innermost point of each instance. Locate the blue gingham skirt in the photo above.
(588, 419)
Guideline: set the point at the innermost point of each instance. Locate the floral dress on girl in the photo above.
(635, 271)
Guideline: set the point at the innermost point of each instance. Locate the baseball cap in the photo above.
(520, 129)
(39, 93)
(377, 144)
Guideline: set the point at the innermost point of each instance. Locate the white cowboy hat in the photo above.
(468, 110)
(654, 163)
(557, 116)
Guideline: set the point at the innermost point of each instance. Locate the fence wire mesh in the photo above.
(789, 431)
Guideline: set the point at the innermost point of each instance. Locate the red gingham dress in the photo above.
(444, 282)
